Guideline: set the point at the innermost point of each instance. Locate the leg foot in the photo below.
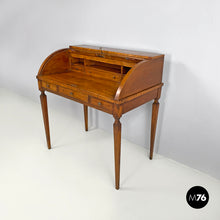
(86, 116)
(155, 109)
(43, 99)
(117, 149)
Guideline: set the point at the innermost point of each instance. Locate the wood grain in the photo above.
(142, 76)
(91, 49)
(57, 62)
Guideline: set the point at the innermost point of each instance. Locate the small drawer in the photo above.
(65, 91)
(49, 86)
(74, 94)
(100, 104)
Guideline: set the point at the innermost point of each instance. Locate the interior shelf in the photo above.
(99, 69)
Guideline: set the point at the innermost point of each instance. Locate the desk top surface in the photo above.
(84, 83)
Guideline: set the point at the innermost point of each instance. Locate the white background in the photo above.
(186, 31)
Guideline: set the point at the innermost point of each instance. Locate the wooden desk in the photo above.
(111, 80)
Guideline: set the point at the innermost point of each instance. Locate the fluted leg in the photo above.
(86, 116)
(43, 99)
(117, 149)
(155, 109)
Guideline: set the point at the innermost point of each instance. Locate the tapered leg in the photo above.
(155, 109)
(43, 99)
(86, 116)
(117, 149)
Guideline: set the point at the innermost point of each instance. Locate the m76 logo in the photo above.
(197, 197)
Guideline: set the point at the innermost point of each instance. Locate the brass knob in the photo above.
(99, 103)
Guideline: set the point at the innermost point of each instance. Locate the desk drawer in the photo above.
(100, 104)
(74, 94)
(49, 86)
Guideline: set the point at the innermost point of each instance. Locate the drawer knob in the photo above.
(71, 93)
(99, 103)
(48, 86)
